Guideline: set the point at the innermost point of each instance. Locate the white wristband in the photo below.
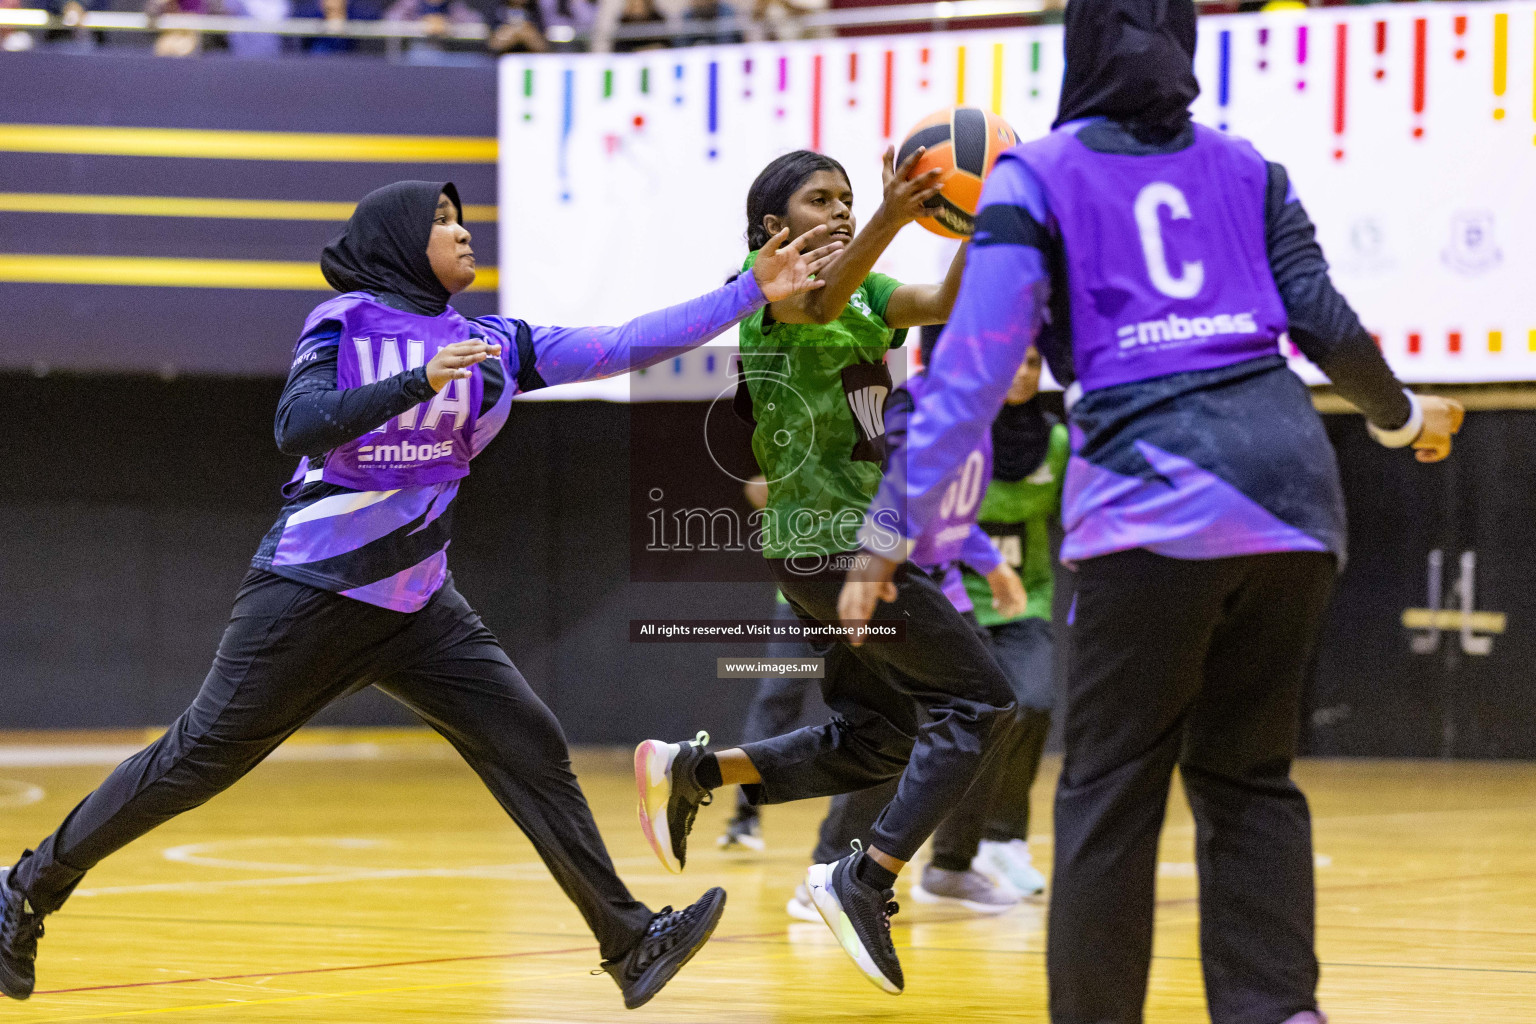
(1406, 434)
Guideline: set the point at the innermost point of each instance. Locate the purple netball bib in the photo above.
(429, 444)
(944, 535)
(1166, 259)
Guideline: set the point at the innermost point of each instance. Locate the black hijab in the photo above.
(384, 246)
(1131, 61)
(1021, 438)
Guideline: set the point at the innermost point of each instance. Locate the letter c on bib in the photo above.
(1148, 201)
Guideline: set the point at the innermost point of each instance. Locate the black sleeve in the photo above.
(1322, 324)
(313, 416)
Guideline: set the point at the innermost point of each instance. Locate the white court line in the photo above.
(526, 871)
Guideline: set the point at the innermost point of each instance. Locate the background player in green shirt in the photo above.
(926, 708)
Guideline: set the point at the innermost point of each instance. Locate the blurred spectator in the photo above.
(519, 28)
(73, 36)
(14, 40)
(256, 44)
(640, 12)
(336, 14)
(176, 42)
(436, 17)
(564, 20)
(778, 19)
(709, 10)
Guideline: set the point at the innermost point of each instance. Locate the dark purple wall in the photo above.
(202, 330)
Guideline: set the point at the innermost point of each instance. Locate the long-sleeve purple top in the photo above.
(390, 547)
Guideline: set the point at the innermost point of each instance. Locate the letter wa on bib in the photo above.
(427, 444)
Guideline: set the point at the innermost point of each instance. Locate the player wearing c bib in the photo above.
(1202, 504)
(816, 384)
(390, 396)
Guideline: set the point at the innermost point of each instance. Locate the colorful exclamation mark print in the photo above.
(1420, 50)
(746, 79)
(714, 109)
(1223, 78)
(853, 80)
(1263, 49)
(1381, 50)
(1034, 69)
(527, 93)
(1500, 63)
(1460, 25)
(816, 103)
(890, 81)
(997, 78)
(783, 84)
(1340, 75)
(611, 142)
(567, 120)
(960, 76)
(645, 90)
(1301, 58)
(923, 58)
(677, 85)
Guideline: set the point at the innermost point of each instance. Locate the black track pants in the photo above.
(926, 708)
(1197, 664)
(290, 650)
(997, 805)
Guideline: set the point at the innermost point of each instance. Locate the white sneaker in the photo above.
(970, 889)
(1010, 864)
(800, 906)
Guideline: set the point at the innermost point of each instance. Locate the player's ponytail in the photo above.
(769, 194)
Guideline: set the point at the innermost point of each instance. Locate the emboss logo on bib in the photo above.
(1174, 329)
(404, 453)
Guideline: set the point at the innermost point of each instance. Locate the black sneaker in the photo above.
(20, 928)
(670, 797)
(744, 830)
(860, 916)
(669, 942)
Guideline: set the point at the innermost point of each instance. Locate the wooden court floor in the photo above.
(368, 877)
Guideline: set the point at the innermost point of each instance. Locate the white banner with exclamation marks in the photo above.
(1409, 133)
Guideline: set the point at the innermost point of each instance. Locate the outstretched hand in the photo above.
(785, 270)
(906, 198)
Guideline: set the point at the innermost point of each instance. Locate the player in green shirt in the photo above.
(926, 708)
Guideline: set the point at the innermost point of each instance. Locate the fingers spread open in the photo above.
(771, 247)
(911, 161)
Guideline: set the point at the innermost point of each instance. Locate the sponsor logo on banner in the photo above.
(1367, 249)
(1472, 249)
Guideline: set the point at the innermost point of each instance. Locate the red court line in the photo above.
(314, 970)
(358, 967)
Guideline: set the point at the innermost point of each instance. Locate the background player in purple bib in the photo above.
(1159, 262)
(391, 393)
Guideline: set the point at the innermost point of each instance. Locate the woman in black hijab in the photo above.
(391, 393)
(1202, 507)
